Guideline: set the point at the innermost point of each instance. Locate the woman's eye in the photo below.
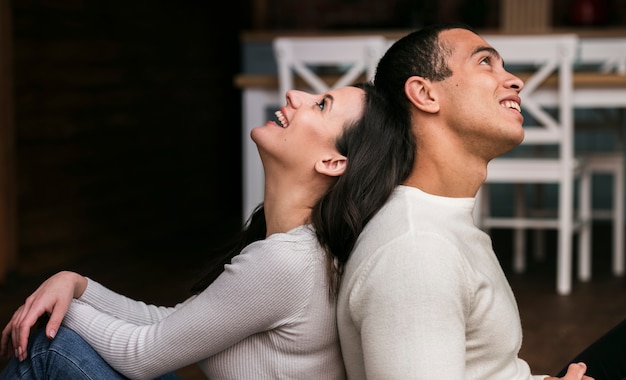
(321, 104)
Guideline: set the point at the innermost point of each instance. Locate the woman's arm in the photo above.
(261, 289)
(54, 296)
(120, 306)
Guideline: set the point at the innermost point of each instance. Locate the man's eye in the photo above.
(486, 60)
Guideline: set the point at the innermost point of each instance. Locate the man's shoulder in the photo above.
(405, 224)
(391, 224)
(395, 212)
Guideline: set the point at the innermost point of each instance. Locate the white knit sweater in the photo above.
(268, 316)
(424, 297)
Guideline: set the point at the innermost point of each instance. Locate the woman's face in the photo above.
(308, 126)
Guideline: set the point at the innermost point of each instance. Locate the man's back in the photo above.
(423, 296)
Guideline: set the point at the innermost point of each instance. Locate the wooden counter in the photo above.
(581, 80)
(394, 34)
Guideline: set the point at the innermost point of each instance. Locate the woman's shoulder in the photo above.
(296, 245)
(302, 237)
(294, 256)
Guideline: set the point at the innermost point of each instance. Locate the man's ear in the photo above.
(421, 94)
(332, 166)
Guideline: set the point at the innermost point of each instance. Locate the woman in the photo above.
(270, 311)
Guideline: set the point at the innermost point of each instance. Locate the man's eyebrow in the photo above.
(487, 49)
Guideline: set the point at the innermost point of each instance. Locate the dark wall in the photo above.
(127, 127)
(369, 14)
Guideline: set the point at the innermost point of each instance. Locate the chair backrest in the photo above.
(546, 60)
(325, 63)
(608, 53)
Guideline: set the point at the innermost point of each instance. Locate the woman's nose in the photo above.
(294, 98)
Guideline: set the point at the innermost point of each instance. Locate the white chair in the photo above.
(325, 63)
(606, 55)
(546, 55)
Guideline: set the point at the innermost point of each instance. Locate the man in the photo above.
(423, 295)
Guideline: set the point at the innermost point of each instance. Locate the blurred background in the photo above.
(121, 127)
(125, 129)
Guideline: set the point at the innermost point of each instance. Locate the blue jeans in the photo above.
(67, 356)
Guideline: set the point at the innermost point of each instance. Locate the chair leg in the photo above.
(564, 262)
(519, 248)
(615, 169)
(584, 241)
(565, 236)
(519, 236)
(539, 251)
(618, 223)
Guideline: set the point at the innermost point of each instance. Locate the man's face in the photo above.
(480, 100)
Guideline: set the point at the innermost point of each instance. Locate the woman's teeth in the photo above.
(282, 121)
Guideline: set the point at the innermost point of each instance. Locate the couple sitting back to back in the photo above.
(367, 208)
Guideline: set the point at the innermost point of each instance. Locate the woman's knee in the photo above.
(67, 356)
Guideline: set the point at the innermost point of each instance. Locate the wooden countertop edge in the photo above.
(268, 35)
(581, 79)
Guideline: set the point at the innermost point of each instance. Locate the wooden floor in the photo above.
(555, 327)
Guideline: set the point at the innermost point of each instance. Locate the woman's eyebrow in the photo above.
(331, 100)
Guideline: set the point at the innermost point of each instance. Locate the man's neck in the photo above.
(447, 178)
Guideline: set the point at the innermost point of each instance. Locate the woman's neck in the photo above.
(289, 200)
(280, 217)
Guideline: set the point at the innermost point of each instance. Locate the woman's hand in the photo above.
(575, 371)
(53, 297)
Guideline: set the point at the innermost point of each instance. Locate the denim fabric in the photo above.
(67, 356)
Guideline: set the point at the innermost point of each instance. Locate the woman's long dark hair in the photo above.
(380, 152)
(380, 149)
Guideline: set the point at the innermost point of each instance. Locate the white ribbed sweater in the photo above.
(268, 316)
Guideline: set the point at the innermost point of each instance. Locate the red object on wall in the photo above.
(589, 12)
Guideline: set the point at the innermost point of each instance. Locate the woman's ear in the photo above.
(421, 94)
(332, 166)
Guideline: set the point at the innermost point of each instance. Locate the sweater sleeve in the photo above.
(264, 287)
(117, 305)
(411, 312)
